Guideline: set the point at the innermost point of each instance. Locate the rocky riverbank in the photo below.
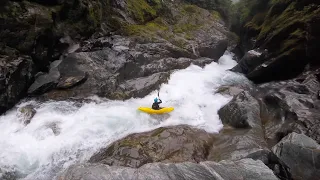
(120, 49)
(116, 50)
(275, 122)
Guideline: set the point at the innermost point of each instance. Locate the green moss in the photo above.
(148, 29)
(129, 143)
(142, 11)
(115, 22)
(216, 15)
(95, 14)
(299, 33)
(188, 36)
(288, 44)
(190, 8)
(179, 42)
(289, 19)
(180, 28)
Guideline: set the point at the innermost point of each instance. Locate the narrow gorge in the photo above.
(243, 78)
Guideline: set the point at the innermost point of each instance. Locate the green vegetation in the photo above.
(181, 28)
(221, 6)
(285, 30)
(216, 15)
(95, 14)
(177, 29)
(143, 11)
(129, 142)
(281, 26)
(190, 8)
(153, 28)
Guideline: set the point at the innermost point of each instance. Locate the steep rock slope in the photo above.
(124, 40)
(288, 30)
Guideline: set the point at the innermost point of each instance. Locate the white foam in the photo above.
(36, 150)
(254, 52)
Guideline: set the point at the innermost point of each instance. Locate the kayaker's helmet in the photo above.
(155, 100)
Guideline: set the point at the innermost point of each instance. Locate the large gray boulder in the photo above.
(301, 154)
(169, 144)
(243, 133)
(121, 71)
(250, 61)
(242, 112)
(291, 106)
(225, 170)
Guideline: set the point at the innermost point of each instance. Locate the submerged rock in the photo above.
(243, 169)
(26, 113)
(171, 144)
(301, 154)
(8, 176)
(231, 90)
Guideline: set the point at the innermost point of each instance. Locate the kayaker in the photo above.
(156, 103)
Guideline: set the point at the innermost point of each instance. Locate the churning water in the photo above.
(62, 133)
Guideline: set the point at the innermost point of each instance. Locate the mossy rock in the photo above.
(144, 11)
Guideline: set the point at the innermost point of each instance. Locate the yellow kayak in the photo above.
(160, 111)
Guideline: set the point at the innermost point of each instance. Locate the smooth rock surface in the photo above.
(301, 154)
(291, 106)
(243, 169)
(250, 61)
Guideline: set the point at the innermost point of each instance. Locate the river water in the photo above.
(62, 132)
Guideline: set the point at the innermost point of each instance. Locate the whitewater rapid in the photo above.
(36, 151)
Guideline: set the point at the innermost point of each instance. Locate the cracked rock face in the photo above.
(176, 144)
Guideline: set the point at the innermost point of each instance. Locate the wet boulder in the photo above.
(46, 81)
(212, 49)
(127, 69)
(242, 169)
(26, 113)
(69, 82)
(140, 87)
(250, 61)
(170, 144)
(301, 154)
(242, 112)
(243, 134)
(230, 90)
(16, 75)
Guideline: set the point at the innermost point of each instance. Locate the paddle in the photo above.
(158, 94)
